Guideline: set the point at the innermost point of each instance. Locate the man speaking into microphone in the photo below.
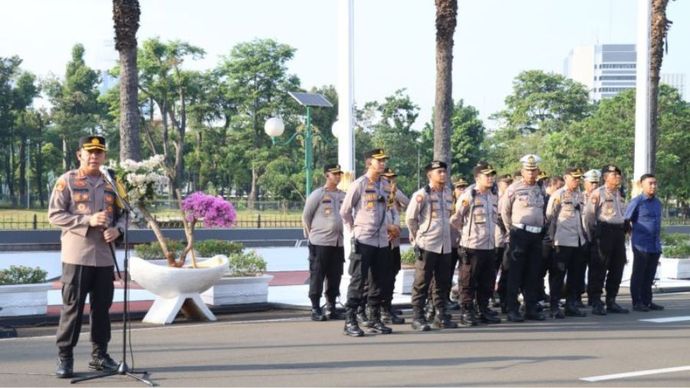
(83, 204)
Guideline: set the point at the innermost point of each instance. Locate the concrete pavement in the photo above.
(284, 348)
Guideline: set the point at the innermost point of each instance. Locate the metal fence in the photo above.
(259, 221)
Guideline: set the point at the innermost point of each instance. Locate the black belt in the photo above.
(612, 226)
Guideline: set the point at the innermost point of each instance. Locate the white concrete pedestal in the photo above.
(164, 310)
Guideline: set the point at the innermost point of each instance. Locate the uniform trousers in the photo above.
(78, 281)
(566, 260)
(610, 261)
(525, 265)
(325, 263)
(394, 268)
(643, 272)
(547, 254)
(431, 266)
(370, 265)
(477, 276)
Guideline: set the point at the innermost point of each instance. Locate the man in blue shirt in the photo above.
(644, 214)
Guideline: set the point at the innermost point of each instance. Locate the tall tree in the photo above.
(76, 108)
(446, 20)
(126, 17)
(659, 29)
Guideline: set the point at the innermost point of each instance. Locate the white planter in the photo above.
(674, 268)
(404, 280)
(238, 290)
(177, 288)
(24, 299)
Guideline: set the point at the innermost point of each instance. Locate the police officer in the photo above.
(502, 242)
(323, 228)
(475, 217)
(397, 202)
(564, 217)
(644, 212)
(83, 205)
(523, 214)
(365, 211)
(428, 220)
(591, 182)
(604, 219)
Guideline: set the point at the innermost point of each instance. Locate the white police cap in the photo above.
(592, 176)
(530, 161)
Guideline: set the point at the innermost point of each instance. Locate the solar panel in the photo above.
(311, 99)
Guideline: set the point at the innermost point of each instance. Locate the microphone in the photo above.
(106, 175)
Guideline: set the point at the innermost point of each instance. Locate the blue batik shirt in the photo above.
(645, 215)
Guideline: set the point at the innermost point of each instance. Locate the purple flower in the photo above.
(214, 211)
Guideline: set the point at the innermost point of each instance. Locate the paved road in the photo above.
(289, 350)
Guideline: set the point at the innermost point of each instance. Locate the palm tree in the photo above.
(446, 20)
(660, 26)
(126, 17)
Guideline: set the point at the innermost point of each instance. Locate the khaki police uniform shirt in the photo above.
(74, 199)
(428, 219)
(476, 216)
(524, 204)
(401, 202)
(564, 213)
(604, 206)
(365, 211)
(321, 217)
(501, 235)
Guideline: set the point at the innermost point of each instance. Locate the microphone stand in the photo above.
(123, 368)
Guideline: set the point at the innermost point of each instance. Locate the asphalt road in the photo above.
(284, 348)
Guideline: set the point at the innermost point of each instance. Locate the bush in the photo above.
(210, 248)
(22, 275)
(672, 239)
(153, 251)
(408, 258)
(680, 251)
(247, 263)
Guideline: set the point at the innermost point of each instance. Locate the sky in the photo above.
(394, 44)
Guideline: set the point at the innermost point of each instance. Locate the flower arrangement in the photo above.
(143, 180)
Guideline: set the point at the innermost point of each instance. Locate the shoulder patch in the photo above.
(419, 198)
(557, 200)
(465, 203)
(60, 185)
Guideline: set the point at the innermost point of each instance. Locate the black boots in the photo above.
(362, 314)
(65, 367)
(598, 307)
(571, 309)
(351, 327)
(332, 313)
(486, 315)
(419, 322)
(388, 316)
(614, 308)
(100, 360)
(468, 317)
(442, 321)
(375, 325)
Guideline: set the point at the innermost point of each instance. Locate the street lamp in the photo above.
(419, 155)
(275, 127)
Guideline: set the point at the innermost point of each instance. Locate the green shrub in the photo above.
(671, 239)
(407, 257)
(22, 275)
(153, 251)
(681, 251)
(210, 248)
(246, 263)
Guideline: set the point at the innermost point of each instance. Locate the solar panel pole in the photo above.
(308, 154)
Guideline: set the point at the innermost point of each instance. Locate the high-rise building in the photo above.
(608, 69)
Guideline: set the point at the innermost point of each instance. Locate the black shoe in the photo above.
(598, 308)
(332, 313)
(390, 318)
(377, 327)
(317, 314)
(420, 324)
(488, 311)
(573, 311)
(362, 316)
(578, 303)
(655, 307)
(535, 316)
(103, 362)
(557, 314)
(352, 329)
(485, 317)
(468, 318)
(452, 306)
(514, 316)
(444, 323)
(615, 308)
(640, 308)
(65, 368)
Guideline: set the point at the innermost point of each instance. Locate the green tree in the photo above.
(76, 108)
